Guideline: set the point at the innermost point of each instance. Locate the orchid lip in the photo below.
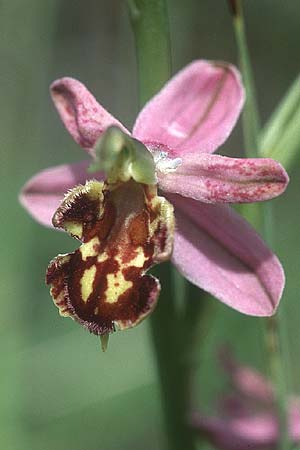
(124, 229)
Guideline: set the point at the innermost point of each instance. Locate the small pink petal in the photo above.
(233, 405)
(294, 419)
(218, 179)
(217, 250)
(195, 111)
(249, 432)
(43, 193)
(252, 431)
(80, 112)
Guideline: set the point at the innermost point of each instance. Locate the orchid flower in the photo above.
(248, 418)
(214, 247)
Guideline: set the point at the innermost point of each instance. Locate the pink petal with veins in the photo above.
(195, 111)
(218, 179)
(249, 432)
(80, 112)
(294, 419)
(217, 250)
(43, 193)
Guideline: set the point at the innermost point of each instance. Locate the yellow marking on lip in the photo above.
(139, 259)
(90, 248)
(136, 261)
(116, 286)
(86, 282)
(103, 257)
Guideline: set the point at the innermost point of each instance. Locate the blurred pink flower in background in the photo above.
(247, 419)
(193, 114)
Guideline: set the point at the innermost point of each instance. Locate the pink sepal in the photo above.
(195, 111)
(219, 179)
(43, 193)
(217, 250)
(82, 115)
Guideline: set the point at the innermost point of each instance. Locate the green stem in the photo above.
(170, 336)
(275, 335)
(250, 113)
(149, 21)
(250, 117)
(173, 340)
(277, 346)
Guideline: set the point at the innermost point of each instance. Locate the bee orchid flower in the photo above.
(248, 417)
(211, 245)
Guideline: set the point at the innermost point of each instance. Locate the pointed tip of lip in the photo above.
(104, 338)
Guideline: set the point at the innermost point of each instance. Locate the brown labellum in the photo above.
(125, 229)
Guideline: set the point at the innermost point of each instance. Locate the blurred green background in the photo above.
(57, 390)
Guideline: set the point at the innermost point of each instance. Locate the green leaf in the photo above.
(280, 138)
(250, 116)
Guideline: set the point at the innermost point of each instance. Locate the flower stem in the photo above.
(173, 340)
(277, 345)
(250, 114)
(149, 20)
(250, 117)
(171, 336)
(262, 217)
